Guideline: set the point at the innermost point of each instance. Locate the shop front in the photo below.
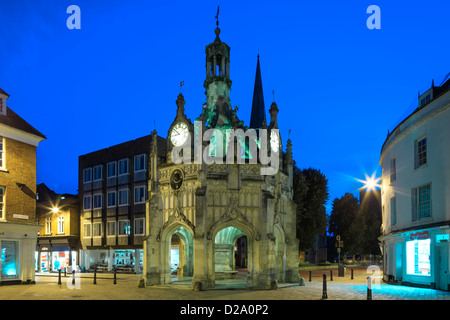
(419, 257)
(55, 255)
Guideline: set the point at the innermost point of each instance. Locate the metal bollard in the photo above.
(369, 288)
(65, 272)
(59, 276)
(95, 276)
(331, 275)
(352, 275)
(324, 290)
(309, 275)
(115, 280)
(73, 277)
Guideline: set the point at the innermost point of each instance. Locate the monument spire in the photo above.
(258, 114)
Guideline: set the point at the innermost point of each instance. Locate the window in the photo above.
(139, 226)
(2, 202)
(420, 152)
(87, 230)
(123, 197)
(97, 201)
(418, 257)
(393, 171)
(112, 201)
(139, 194)
(124, 227)
(97, 229)
(98, 172)
(9, 256)
(61, 224)
(393, 211)
(87, 202)
(112, 169)
(87, 175)
(48, 225)
(1, 105)
(139, 163)
(421, 202)
(2, 153)
(111, 228)
(123, 166)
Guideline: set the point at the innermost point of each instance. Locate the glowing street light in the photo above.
(371, 183)
(55, 210)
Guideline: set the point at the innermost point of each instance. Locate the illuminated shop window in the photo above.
(418, 257)
(8, 260)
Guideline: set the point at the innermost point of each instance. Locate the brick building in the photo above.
(113, 190)
(58, 240)
(18, 229)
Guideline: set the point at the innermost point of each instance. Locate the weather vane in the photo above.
(217, 17)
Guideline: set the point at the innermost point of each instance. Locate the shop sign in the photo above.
(45, 249)
(419, 235)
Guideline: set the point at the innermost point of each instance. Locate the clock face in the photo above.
(176, 179)
(274, 141)
(179, 134)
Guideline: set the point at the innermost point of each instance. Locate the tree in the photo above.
(310, 196)
(347, 220)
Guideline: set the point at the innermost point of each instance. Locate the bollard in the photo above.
(331, 275)
(309, 275)
(95, 275)
(73, 277)
(369, 288)
(59, 276)
(65, 272)
(352, 275)
(324, 291)
(115, 281)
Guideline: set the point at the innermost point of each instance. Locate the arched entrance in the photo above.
(232, 252)
(177, 256)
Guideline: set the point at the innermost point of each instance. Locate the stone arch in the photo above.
(184, 231)
(252, 238)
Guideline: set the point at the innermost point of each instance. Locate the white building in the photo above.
(415, 161)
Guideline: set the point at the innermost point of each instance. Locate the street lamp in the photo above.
(371, 183)
(55, 210)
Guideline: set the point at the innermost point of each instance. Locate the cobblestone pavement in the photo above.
(340, 288)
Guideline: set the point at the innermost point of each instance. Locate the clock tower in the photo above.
(203, 209)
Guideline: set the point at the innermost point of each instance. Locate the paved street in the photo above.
(47, 288)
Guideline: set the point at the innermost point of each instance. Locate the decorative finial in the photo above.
(273, 94)
(181, 84)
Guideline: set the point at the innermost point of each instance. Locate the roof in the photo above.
(3, 92)
(13, 120)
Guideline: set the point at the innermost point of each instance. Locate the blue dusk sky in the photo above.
(339, 85)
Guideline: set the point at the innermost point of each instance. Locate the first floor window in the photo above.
(97, 229)
(421, 202)
(61, 224)
(111, 228)
(393, 211)
(87, 230)
(124, 227)
(420, 152)
(2, 202)
(139, 226)
(2, 153)
(48, 225)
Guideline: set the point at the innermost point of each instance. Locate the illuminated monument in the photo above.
(214, 210)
